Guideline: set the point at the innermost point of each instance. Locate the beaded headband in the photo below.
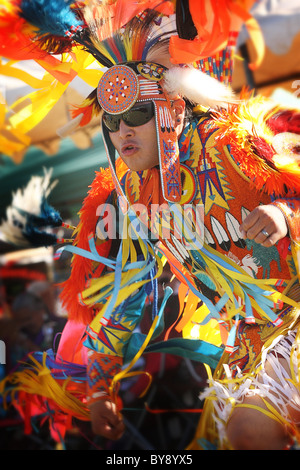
(68, 37)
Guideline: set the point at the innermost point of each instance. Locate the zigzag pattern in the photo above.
(101, 370)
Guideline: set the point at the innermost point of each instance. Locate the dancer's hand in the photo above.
(265, 225)
(106, 420)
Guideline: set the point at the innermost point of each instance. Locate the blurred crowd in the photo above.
(32, 320)
(29, 322)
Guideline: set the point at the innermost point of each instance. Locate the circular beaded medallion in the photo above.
(118, 89)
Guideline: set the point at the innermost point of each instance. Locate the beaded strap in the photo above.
(101, 369)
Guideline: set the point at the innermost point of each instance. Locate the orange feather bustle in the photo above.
(17, 43)
(82, 268)
(114, 14)
(250, 136)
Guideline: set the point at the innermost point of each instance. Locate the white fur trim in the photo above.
(197, 87)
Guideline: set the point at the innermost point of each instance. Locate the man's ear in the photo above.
(178, 113)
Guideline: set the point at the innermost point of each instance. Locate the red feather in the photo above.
(285, 121)
(89, 108)
(16, 38)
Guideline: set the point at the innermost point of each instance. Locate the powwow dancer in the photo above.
(184, 141)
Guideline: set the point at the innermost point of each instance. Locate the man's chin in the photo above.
(137, 166)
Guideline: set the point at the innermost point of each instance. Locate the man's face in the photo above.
(137, 146)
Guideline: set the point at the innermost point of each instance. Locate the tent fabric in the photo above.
(280, 24)
(279, 21)
(73, 167)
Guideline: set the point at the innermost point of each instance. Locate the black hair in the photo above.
(190, 112)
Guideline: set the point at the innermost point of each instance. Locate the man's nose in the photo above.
(125, 130)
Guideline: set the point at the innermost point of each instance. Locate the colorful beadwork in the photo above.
(168, 154)
(100, 370)
(151, 71)
(118, 89)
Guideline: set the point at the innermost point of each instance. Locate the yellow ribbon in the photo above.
(125, 373)
(40, 382)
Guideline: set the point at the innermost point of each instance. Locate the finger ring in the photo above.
(265, 233)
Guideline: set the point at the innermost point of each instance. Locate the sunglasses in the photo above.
(136, 116)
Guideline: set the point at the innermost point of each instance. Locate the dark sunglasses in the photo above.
(136, 116)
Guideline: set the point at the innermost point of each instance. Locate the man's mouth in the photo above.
(128, 149)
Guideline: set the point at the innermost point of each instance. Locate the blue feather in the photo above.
(33, 228)
(30, 214)
(50, 215)
(50, 16)
(38, 237)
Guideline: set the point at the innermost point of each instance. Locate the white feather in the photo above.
(28, 199)
(11, 233)
(197, 87)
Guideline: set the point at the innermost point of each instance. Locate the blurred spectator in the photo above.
(46, 291)
(31, 327)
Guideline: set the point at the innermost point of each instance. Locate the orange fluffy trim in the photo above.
(82, 268)
(244, 128)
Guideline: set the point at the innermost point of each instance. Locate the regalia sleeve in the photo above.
(290, 207)
(107, 346)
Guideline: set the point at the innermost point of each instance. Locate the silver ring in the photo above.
(265, 233)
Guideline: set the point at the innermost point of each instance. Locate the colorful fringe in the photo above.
(46, 388)
(83, 268)
(230, 384)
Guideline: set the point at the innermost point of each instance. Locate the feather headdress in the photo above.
(113, 31)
